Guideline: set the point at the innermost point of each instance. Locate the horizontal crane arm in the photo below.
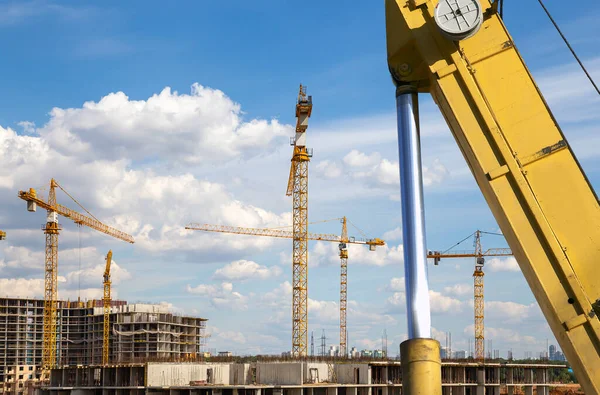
(470, 254)
(286, 234)
(77, 217)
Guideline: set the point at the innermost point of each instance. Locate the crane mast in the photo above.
(298, 189)
(521, 161)
(51, 231)
(106, 305)
(343, 246)
(478, 295)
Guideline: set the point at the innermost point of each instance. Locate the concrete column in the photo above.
(528, 376)
(446, 391)
(529, 390)
(543, 390)
(459, 391)
(309, 391)
(480, 382)
(509, 376)
(298, 391)
(258, 392)
(276, 391)
(384, 390)
(349, 391)
(511, 389)
(496, 390)
(234, 391)
(218, 391)
(332, 391)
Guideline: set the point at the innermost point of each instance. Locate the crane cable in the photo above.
(569, 45)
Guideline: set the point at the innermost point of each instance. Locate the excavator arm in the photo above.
(522, 162)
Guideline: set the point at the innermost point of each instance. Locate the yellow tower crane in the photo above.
(51, 229)
(478, 296)
(342, 241)
(106, 303)
(298, 189)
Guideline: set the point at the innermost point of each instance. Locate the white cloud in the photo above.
(508, 336)
(204, 125)
(396, 284)
(21, 261)
(444, 304)
(357, 254)
(28, 127)
(92, 277)
(236, 337)
(511, 311)
(242, 270)
(221, 296)
(394, 234)
(459, 289)
(508, 264)
(23, 288)
(383, 173)
(359, 159)
(328, 169)
(439, 303)
(323, 311)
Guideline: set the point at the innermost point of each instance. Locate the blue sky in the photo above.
(219, 153)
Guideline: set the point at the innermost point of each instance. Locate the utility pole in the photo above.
(312, 344)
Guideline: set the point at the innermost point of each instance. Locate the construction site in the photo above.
(111, 347)
(138, 332)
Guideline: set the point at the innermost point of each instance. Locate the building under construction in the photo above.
(138, 332)
(294, 378)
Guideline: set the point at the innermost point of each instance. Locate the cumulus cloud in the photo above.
(328, 169)
(394, 234)
(183, 128)
(505, 335)
(356, 158)
(357, 254)
(236, 337)
(396, 284)
(439, 303)
(22, 288)
(221, 296)
(28, 127)
(244, 270)
(383, 173)
(508, 264)
(459, 289)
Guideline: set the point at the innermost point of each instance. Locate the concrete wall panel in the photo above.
(284, 373)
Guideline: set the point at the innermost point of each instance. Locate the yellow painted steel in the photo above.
(106, 304)
(51, 230)
(343, 287)
(284, 234)
(528, 174)
(421, 367)
(2, 235)
(298, 188)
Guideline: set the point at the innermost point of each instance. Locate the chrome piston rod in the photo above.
(413, 215)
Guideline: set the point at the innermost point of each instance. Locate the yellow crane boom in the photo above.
(530, 177)
(106, 304)
(51, 230)
(279, 233)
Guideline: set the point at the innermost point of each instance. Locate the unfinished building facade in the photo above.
(293, 378)
(139, 332)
